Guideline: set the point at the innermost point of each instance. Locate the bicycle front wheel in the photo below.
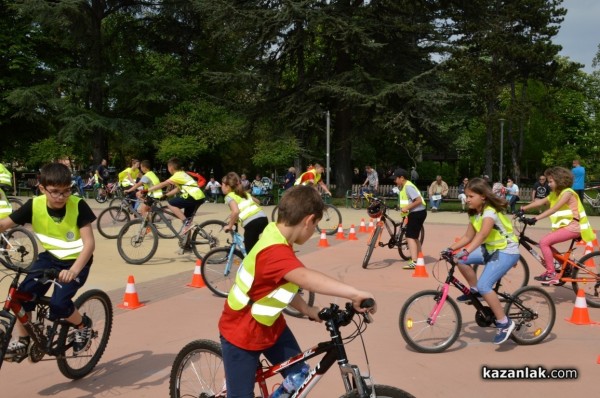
(382, 391)
(331, 220)
(403, 249)
(16, 203)
(20, 247)
(515, 278)
(97, 306)
(198, 371)
(137, 242)
(372, 243)
(100, 194)
(589, 279)
(417, 329)
(219, 269)
(111, 220)
(309, 297)
(533, 312)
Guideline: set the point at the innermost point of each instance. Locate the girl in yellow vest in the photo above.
(148, 179)
(244, 208)
(489, 240)
(567, 216)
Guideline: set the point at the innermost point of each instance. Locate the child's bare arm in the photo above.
(89, 244)
(6, 223)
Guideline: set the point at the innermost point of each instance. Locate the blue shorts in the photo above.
(189, 205)
(495, 266)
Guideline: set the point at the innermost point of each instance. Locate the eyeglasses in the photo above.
(57, 194)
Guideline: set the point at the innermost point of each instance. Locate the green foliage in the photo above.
(46, 151)
(276, 153)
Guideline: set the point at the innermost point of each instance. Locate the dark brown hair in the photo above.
(298, 202)
(563, 178)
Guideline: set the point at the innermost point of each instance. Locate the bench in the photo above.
(384, 192)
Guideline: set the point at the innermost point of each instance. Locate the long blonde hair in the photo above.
(233, 180)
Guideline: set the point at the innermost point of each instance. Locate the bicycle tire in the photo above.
(371, 246)
(310, 300)
(357, 202)
(207, 236)
(137, 241)
(97, 306)
(415, 328)
(111, 220)
(533, 323)
(591, 287)
(275, 213)
(213, 268)
(403, 244)
(16, 203)
(100, 194)
(515, 278)
(20, 247)
(162, 227)
(382, 391)
(198, 371)
(331, 220)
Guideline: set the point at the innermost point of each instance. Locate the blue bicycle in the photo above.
(220, 265)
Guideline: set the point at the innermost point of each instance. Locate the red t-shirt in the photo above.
(239, 327)
(310, 175)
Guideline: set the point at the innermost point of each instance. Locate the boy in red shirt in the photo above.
(251, 323)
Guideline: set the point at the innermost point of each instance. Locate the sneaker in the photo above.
(434, 209)
(504, 331)
(18, 347)
(411, 265)
(83, 335)
(467, 297)
(545, 277)
(187, 225)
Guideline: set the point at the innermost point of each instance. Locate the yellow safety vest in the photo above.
(5, 176)
(124, 181)
(5, 206)
(61, 239)
(563, 216)
(155, 181)
(403, 197)
(187, 184)
(247, 207)
(496, 240)
(267, 309)
(317, 177)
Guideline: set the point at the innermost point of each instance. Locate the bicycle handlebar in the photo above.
(343, 317)
(48, 274)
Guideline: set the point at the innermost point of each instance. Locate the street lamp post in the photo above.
(327, 157)
(501, 146)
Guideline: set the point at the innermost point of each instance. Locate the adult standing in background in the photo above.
(578, 178)
(290, 178)
(372, 181)
(414, 176)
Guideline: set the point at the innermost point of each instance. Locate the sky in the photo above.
(580, 31)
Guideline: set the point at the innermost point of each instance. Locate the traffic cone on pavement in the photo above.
(420, 270)
(130, 301)
(362, 227)
(580, 315)
(589, 263)
(371, 226)
(352, 233)
(323, 241)
(340, 233)
(197, 280)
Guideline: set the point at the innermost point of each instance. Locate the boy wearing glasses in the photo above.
(63, 225)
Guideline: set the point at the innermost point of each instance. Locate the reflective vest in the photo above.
(187, 185)
(267, 309)
(5, 206)
(563, 216)
(247, 206)
(403, 197)
(124, 181)
(496, 239)
(316, 177)
(61, 239)
(154, 181)
(5, 176)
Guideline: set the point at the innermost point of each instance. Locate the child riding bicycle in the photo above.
(267, 281)
(63, 224)
(489, 240)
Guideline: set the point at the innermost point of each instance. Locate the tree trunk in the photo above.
(342, 150)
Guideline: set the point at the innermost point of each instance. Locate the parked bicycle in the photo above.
(430, 320)
(54, 338)
(395, 229)
(138, 239)
(15, 202)
(198, 368)
(112, 190)
(221, 264)
(591, 195)
(18, 246)
(331, 220)
(111, 220)
(582, 274)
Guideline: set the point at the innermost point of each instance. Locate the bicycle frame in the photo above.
(238, 243)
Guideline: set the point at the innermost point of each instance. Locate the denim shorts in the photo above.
(495, 265)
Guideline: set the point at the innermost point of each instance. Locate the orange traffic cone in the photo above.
(197, 280)
(340, 233)
(130, 301)
(363, 227)
(580, 315)
(420, 270)
(323, 241)
(352, 233)
(589, 263)
(371, 226)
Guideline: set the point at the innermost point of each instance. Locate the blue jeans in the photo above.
(435, 203)
(497, 264)
(240, 365)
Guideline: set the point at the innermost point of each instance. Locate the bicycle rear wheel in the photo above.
(162, 227)
(589, 282)
(416, 328)
(382, 391)
(533, 312)
(16, 203)
(20, 247)
(515, 278)
(217, 276)
(100, 194)
(198, 371)
(309, 297)
(209, 235)
(97, 306)
(137, 242)
(111, 220)
(403, 244)
(371, 245)
(331, 220)
(275, 213)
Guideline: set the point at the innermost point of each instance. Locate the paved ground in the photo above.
(145, 341)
